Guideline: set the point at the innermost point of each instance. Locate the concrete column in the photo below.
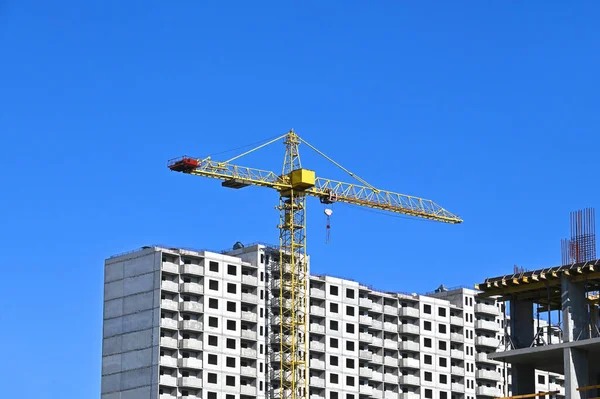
(574, 310)
(576, 372)
(521, 334)
(594, 321)
(521, 323)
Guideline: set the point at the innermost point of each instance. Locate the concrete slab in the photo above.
(549, 357)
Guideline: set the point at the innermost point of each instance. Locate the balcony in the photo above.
(317, 346)
(316, 364)
(377, 376)
(248, 371)
(317, 382)
(317, 328)
(408, 312)
(410, 380)
(169, 304)
(366, 320)
(249, 334)
(377, 308)
(377, 324)
(457, 354)
(391, 310)
(457, 387)
(248, 390)
(377, 342)
(167, 380)
(249, 280)
(168, 361)
(409, 346)
(195, 270)
(387, 394)
(390, 344)
(409, 395)
(365, 372)
(191, 325)
(409, 363)
(457, 370)
(390, 378)
(377, 393)
(408, 329)
(191, 344)
(486, 308)
(167, 396)
(190, 363)
(391, 327)
(456, 337)
(487, 325)
(248, 352)
(487, 342)
(192, 307)
(170, 267)
(488, 375)
(481, 357)
(390, 361)
(317, 293)
(377, 359)
(365, 303)
(365, 390)
(170, 286)
(168, 323)
(365, 337)
(249, 316)
(168, 342)
(365, 355)
(249, 298)
(488, 391)
(457, 321)
(317, 311)
(192, 288)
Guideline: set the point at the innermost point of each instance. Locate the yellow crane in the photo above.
(294, 184)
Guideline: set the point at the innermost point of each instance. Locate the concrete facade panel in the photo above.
(111, 364)
(138, 393)
(113, 290)
(114, 395)
(111, 383)
(137, 266)
(137, 284)
(112, 345)
(137, 321)
(113, 327)
(136, 378)
(113, 308)
(136, 340)
(136, 359)
(113, 272)
(137, 302)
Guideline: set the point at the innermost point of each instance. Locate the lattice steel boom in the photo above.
(294, 184)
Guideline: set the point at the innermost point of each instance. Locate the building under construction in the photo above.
(567, 297)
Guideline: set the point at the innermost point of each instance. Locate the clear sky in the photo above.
(488, 108)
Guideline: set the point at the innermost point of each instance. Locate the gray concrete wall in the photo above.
(131, 326)
(574, 310)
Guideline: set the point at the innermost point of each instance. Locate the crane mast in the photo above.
(294, 184)
(293, 284)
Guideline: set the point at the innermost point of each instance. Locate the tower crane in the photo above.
(294, 185)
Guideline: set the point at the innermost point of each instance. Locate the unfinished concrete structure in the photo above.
(569, 296)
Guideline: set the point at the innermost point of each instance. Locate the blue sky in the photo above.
(488, 108)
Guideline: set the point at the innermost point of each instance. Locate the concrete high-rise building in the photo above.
(184, 323)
